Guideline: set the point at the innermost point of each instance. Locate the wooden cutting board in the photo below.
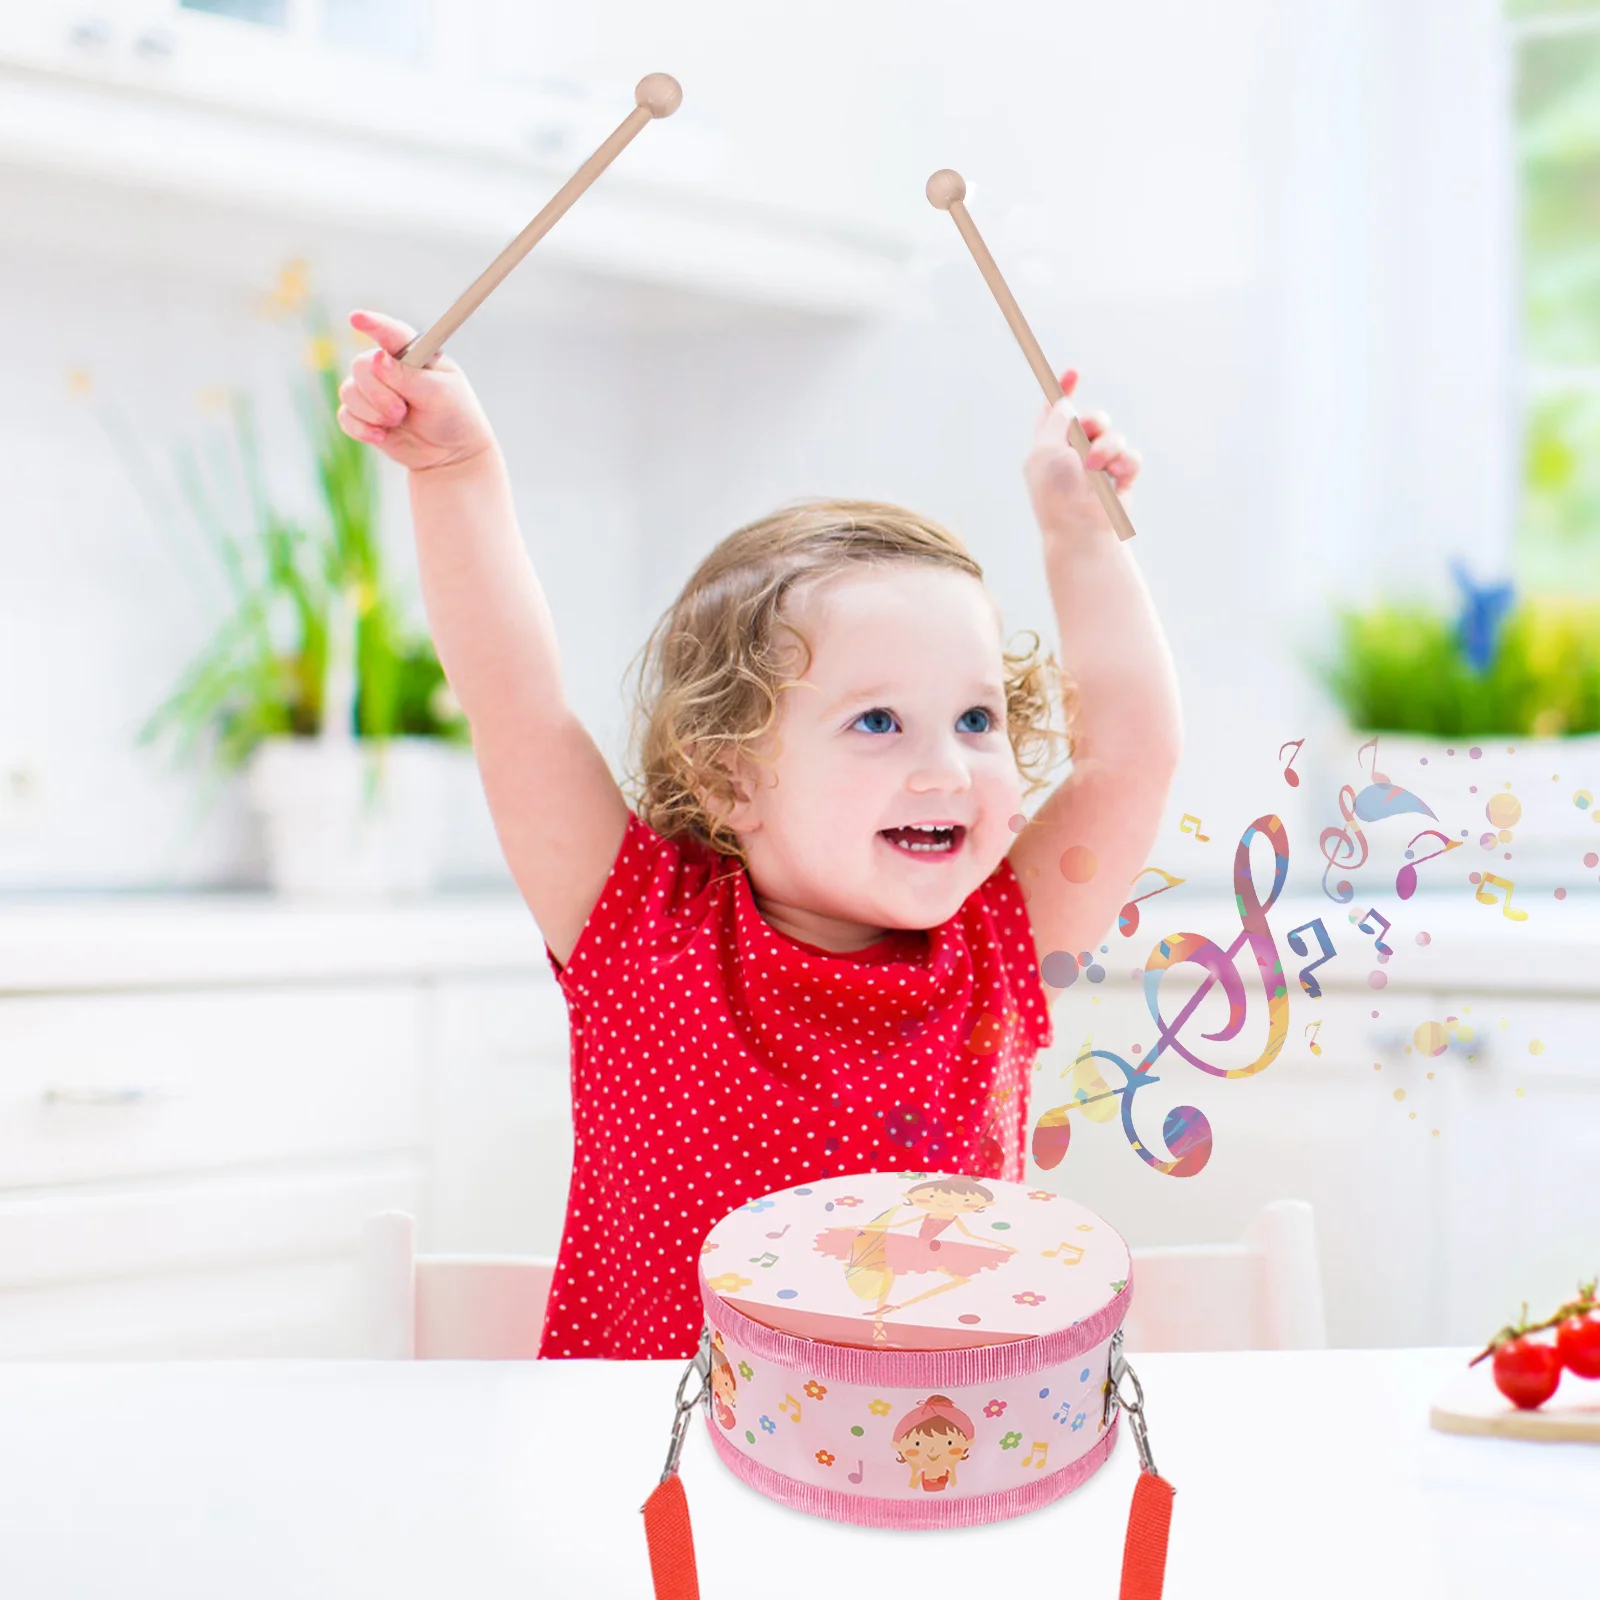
(1470, 1403)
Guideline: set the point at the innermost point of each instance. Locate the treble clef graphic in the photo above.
(1185, 1130)
(1344, 892)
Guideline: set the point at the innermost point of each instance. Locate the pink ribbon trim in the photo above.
(935, 1511)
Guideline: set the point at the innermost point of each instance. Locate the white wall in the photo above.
(1273, 241)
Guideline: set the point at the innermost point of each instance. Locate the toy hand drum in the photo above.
(913, 1350)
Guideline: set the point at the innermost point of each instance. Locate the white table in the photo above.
(1298, 1474)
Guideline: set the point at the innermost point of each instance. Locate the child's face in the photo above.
(900, 718)
(933, 1451)
(943, 1204)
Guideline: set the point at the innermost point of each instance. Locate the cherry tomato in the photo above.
(1527, 1373)
(1578, 1342)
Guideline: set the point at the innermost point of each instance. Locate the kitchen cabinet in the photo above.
(201, 1105)
(419, 122)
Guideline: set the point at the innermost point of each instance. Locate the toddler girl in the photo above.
(809, 943)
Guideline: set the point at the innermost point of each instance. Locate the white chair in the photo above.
(449, 1308)
(1262, 1293)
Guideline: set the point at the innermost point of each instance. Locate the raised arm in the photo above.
(1129, 731)
(557, 810)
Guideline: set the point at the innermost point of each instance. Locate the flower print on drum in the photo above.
(931, 1438)
(875, 1256)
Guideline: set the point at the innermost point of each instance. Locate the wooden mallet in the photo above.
(946, 190)
(657, 95)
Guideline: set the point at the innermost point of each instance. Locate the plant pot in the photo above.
(349, 820)
(1551, 829)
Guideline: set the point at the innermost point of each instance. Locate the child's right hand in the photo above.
(422, 417)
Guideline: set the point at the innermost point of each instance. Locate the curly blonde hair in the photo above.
(711, 671)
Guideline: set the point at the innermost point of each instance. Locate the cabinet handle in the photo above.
(154, 44)
(105, 1096)
(92, 34)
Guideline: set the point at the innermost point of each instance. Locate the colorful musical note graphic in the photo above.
(783, 1407)
(1505, 905)
(1128, 917)
(1052, 1133)
(1185, 1130)
(1372, 745)
(1290, 776)
(1405, 883)
(781, 1231)
(1183, 827)
(1307, 981)
(1344, 892)
(1376, 916)
(1380, 800)
(770, 1259)
(1314, 1028)
(1039, 1447)
(1074, 1253)
(856, 1476)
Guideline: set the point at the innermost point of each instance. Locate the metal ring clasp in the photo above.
(1116, 1400)
(685, 1404)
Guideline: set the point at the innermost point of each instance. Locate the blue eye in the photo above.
(880, 711)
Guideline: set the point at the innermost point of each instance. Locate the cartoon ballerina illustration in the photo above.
(874, 1256)
(931, 1439)
(724, 1390)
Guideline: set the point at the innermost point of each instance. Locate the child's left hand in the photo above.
(1064, 501)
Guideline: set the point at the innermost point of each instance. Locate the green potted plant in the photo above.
(314, 687)
(1501, 697)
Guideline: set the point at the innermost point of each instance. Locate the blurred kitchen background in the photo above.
(1331, 267)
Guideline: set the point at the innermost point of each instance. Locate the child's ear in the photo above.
(733, 812)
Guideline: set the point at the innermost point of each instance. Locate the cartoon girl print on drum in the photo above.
(724, 1390)
(875, 1256)
(931, 1439)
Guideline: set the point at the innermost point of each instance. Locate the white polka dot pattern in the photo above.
(715, 1060)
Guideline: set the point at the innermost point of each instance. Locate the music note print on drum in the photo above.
(770, 1259)
(783, 1408)
(1040, 1448)
(1074, 1253)
(1183, 827)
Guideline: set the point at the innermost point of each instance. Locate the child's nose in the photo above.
(940, 761)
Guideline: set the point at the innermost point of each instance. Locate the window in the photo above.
(1555, 58)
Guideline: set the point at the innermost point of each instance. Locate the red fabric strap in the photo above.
(671, 1541)
(1144, 1555)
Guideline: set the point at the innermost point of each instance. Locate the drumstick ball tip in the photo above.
(945, 188)
(660, 94)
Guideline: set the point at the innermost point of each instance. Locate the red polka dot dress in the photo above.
(715, 1060)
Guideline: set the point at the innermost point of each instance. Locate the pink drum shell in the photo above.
(846, 1430)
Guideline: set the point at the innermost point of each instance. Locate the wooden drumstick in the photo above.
(946, 190)
(657, 95)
